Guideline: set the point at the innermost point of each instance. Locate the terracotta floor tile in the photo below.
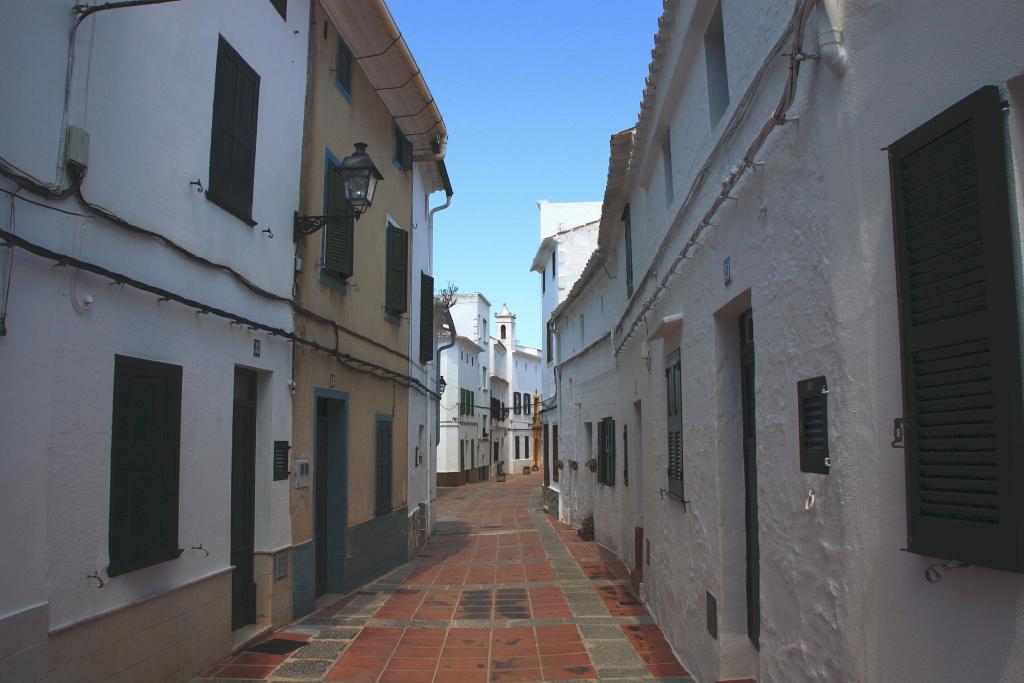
(401, 676)
(515, 662)
(461, 677)
(352, 674)
(569, 673)
(245, 671)
(463, 664)
(667, 670)
(562, 648)
(516, 676)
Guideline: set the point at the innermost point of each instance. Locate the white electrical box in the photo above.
(302, 473)
(78, 146)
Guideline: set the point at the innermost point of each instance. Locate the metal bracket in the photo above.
(307, 225)
(899, 426)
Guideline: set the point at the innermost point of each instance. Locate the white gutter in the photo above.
(830, 37)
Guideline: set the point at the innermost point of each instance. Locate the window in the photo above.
(462, 454)
(554, 255)
(527, 399)
(384, 464)
(526, 447)
(426, 318)
(517, 402)
(517, 449)
(606, 452)
(502, 331)
(543, 280)
(549, 343)
(628, 232)
(144, 455)
(673, 402)
(547, 454)
(959, 336)
(554, 450)
(343, 69)
(402, 150)
(718, 74)
(282, 8)
(625, 455)
(236, 99)
(338, 236)
(666, 160)
(396, 281)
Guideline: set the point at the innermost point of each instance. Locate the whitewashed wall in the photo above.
(144, 92)
(810, 243)
(422, 408)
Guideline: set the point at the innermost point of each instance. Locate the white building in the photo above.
(776, 531)
(428, 177)
(146, 392)
(523, 370)
(568, 233)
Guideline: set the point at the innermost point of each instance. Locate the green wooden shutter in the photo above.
(959, 337)
(339, 236)
(673, 402)
(612, 464)
(397, 268)
(384, 466)
(233, 138)
(144, 458)
(426, 318)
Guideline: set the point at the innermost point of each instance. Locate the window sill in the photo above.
(343, 90)
(224, 205)
(328, 279)
(672, 496)
(392, 318)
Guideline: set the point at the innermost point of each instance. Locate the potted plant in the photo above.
(560, 465)
(592, 464)
(573, 465)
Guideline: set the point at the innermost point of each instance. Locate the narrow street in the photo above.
(500, 593)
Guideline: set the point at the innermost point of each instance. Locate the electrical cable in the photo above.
(7, 280)
(12, 240)
(778, 117)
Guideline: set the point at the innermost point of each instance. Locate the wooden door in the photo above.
(243, 494)
(320, 466)
(750, 477)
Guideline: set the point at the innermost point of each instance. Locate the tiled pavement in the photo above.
(501, 593)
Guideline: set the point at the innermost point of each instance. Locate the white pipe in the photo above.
(830, 37)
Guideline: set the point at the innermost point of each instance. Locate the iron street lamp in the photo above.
(359, 179)
(359, 176)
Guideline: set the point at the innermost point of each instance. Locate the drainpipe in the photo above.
(437, 372)
(830, 37)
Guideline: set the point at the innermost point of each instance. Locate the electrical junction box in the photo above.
(78, 146)
(302, 473)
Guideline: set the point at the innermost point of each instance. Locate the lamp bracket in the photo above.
(307, 225)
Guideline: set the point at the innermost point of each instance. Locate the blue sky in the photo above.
(530, 91)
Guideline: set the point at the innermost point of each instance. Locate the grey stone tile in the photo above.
(338, 633)
(303, 669)
(602, 632)
(321, 649)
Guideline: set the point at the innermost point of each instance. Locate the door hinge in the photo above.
(899, 426)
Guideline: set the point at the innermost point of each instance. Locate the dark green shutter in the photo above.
(343, 66)
(959, 337)
(426, 318)
(233, 139)
(384, 465)
(144, 459)
(673, 402)
(397, 268)
(339, 236)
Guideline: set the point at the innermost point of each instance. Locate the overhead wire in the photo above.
(13, 240)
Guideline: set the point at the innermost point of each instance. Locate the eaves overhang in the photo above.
(381, 52)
